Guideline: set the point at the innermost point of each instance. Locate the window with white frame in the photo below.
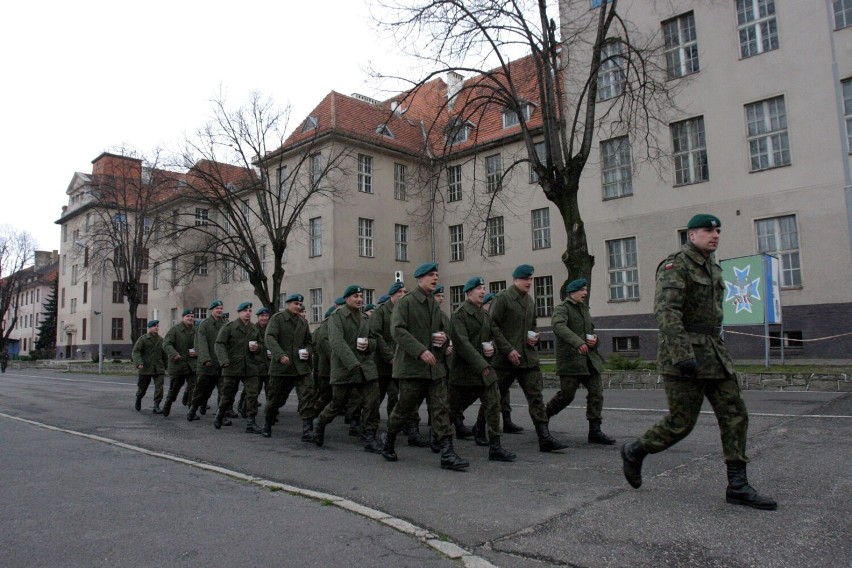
(456, 243)
(245, 209)
(74, 274)
(454, 183)
(263, 264)
(616, 168)
(496, 236)
(200, 314)
(847, 109)
(174, 272)
(401, 242)
(155, 277)
(543, 290)
(365, 237)
(282, 184)
(629, 343)
(365, 173)
(400, 192)
(623, 269)
(611, 73)
(768, 141)
(539, 152)
(315, 237)
(540, 228)
(689, 148)
(315, 168)
(369, 295)
(779, 236)
(458, 131)
(842, 13)
(73, 305)
(244, 271)
(226, 271)
(756, 25)
(316, 304)
(457, 297)
(510, 117)
(64, 263)
(202, 217)
(681, 46)
(201, 265)
(493, 172)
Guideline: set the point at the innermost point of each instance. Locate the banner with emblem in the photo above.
(752, 291)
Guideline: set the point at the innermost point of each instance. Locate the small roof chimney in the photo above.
(454, 85)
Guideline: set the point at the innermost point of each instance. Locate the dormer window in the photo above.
(510, 117)
(383, 130)
(458, 131)
(310, 124)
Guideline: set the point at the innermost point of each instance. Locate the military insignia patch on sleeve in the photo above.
(668, 266)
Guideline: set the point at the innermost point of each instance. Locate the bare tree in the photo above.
(253, 192)
(549, 78)
(17, 249)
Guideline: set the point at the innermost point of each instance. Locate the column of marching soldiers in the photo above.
(404, 349)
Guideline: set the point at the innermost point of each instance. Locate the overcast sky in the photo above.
(83, 77)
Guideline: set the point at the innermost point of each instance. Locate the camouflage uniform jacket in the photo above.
(688, 308)
(178, 341)
(513, 314)
(232, 348)
(469, 328)
(415, 318)
(380, 325)
(205, 345)
(286, 333)
(260, 360)
(348, 365)
(571, 322)
(148, 352)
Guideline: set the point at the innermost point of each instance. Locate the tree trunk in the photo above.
(576, 258)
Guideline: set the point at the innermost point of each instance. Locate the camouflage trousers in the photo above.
(685, 397)
(204, 385)
(568, 385)
(531, 383)
(340, 398)
(142, 386)
(412, 393)
(388, 386)
(230, 385)
(176, 382)
(323, 394)
(461, 397)
(278, 391)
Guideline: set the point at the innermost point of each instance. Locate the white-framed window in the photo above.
(282, 184)
(496, 236)
(200, 314)
(120, 220)
(847, 108)
(493, 173)
(155, 277)
(400, 233)
(756, 25)
(244, 270)
(310, 124)
(611, 74)
(400, 192)
(201, 265)
(365, 173)
(245, 209)
(73, 305)
(616, 168)
(496, 286)
(263, 264)
(458, 131)
(174, 316)
(689, 146)
(540, 228)
(628, 343)
(842, 13)
(768, 141)
(64, 262)
(681, 46)
(315, 237)
(510, 117)
(316, 304)
(202, 217)
(74, 274)
(369, 295)
(456, 243)
(454, 183)
(365, 237)
(457, 298)
(539, 152)
(226, 271)
(623, 269)
(543, 290)
(174, 272)
(779, 236)
(315, 168)
(147, 225)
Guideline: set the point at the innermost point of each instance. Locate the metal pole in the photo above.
(101, 334)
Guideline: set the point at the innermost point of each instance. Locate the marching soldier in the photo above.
(178, 345)
(236, 345)
(207, 366)
(260, 359)
(150, 359)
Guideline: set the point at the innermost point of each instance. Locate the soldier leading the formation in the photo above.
(180, 352)
(148, 356)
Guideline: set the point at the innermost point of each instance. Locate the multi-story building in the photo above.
(37, 283)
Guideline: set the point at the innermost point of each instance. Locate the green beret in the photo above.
(382, 299)
(152, 323)
(244, 306)
(329, 311)
(425, 269)
(439, 289)
(215, 304)
(339, 301)
(704, 221)
(472, 283)
(575, 285)
(186, 312)
(488, 297)
(369, 307)
(351, 289)
(294, 298)
(395, 287)
(261, 311)
(523, 271)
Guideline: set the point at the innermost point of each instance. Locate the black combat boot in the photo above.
(252, 427)
(739, 492)
(319, 432)
(496, 452)
(138, 404)
(596, 436)
(434, 442)
(156, 409)
(449, 458)
(415, 438)
(388, 442)
(462, 431)
(266, 431)
(230, 413)
(167, 408)
(202, 410)
(546, 442)
(307, 430)
(632, 454)
(510, 427)
(191, 415)
(479, 435)
(371, 443)
(219, 418)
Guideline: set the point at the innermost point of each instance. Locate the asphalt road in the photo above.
(87, 481)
